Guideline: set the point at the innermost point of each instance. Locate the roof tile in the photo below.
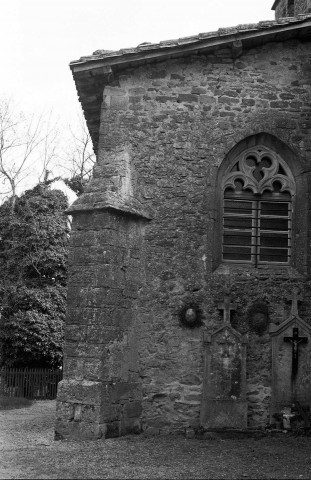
(186, 40)
(207, 35)
(168, 43)
(265, 24)
(227, 31)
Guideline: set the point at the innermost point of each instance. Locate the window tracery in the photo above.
(257, 209)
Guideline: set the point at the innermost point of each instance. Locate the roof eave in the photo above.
(91, 74)
(160, 52)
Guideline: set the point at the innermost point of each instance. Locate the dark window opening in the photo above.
(256, 230)
(257, 221)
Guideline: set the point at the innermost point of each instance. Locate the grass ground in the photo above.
(29, 451)
(12, 403)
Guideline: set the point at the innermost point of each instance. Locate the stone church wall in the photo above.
(166, 130)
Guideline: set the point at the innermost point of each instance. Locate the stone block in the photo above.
(135, 100)
(157, 422)
(61, 431)
(112, 429)
(207, 99)
(82, 238)
(198, 90)
(119, 103)
(102, 334)
(110, 276)
(228, 100)
(125, 391)
(74, 391)
(109, 412)
(82, 274)
(83, 349)
(165, 98)
(90, 413)
(81, 368)
(132, 409)
(88, 316)
(76, 430)
(77, 409)
(279, 104)
(248, 102)
(157, 74)
(75, 333)
(130, 425)
(64, 410)
(187, 98)
(224, 414)
(114, 91)
(177, 76)
(137, 91)
(122, 318)
(151, 431)
(92, 297)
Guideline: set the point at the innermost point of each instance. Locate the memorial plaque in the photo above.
(224, 403)
(291, 361)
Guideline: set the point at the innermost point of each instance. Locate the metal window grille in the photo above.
(257, 228)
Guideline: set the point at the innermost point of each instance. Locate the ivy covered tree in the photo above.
(33, 262)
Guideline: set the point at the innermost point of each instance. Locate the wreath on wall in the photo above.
(258, 317)
(191, 315)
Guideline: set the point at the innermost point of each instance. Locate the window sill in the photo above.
(261, 271)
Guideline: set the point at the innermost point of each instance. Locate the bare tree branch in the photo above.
(79, 158)
(27, 147)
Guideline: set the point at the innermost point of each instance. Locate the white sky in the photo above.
(38, 38)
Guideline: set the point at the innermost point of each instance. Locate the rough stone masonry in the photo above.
(168, 122)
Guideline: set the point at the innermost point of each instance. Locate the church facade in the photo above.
(189, 294)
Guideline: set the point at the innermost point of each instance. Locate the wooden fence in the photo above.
(32, 383)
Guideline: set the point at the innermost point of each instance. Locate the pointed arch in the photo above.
(258, 194)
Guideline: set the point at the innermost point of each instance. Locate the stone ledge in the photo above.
(133, 208)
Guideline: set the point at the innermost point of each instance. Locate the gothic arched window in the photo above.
(258, 189)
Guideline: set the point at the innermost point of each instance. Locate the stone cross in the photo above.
(295, 340)
(294, 299)
(226, 306)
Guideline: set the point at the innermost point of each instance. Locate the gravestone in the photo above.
(224, 386)
(291, 361)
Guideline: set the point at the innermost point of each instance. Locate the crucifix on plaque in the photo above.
(295, 340)
(226, 306)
